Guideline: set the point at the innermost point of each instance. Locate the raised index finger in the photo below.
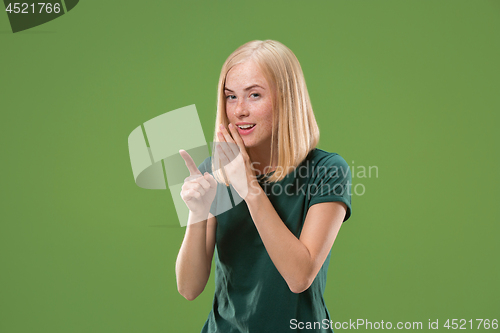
(193, 169)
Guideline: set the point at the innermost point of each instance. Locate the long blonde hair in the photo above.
(295, 131)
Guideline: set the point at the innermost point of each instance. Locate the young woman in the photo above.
(269, 202)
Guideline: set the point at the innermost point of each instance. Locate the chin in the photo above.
(246, 143)
(251, 143)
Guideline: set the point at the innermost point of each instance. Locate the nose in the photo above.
(241, 109)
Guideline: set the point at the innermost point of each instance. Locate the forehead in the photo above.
(245, 74)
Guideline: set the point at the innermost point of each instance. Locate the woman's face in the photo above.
(249, 104)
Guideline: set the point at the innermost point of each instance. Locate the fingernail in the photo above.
(230, 125)
(221, 126)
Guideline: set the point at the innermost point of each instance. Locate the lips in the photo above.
(245, 128)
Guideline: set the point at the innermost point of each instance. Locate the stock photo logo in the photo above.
(157, 165)
(28, 14)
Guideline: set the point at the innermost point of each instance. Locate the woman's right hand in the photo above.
(198, 191)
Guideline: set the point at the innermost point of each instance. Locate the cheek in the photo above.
(229, 114)
(267, 124)
(269, 116)
(265, 111)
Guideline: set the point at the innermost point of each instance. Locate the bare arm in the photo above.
(192, 267)
(297, 260)
(194, 260)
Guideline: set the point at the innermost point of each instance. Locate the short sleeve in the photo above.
(331, 181)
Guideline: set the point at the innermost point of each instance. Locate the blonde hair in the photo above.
(295, 131)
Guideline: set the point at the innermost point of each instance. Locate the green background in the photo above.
(411, 87)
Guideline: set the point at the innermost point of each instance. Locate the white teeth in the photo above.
(245, 126)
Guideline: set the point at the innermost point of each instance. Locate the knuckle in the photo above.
(185, 196)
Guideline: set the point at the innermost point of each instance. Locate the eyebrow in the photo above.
(247, 88)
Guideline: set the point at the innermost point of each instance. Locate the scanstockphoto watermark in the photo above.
(354, 325)
(431, 324)
(334, 179)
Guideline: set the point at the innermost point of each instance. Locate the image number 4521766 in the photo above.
(28, 14)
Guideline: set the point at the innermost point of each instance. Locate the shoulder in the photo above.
(332, 178)
(319, 157)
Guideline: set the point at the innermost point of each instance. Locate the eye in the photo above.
(229, 96)
(256, 94)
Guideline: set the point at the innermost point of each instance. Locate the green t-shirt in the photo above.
(250, 293)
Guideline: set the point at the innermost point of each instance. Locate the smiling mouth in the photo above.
(245, 127)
